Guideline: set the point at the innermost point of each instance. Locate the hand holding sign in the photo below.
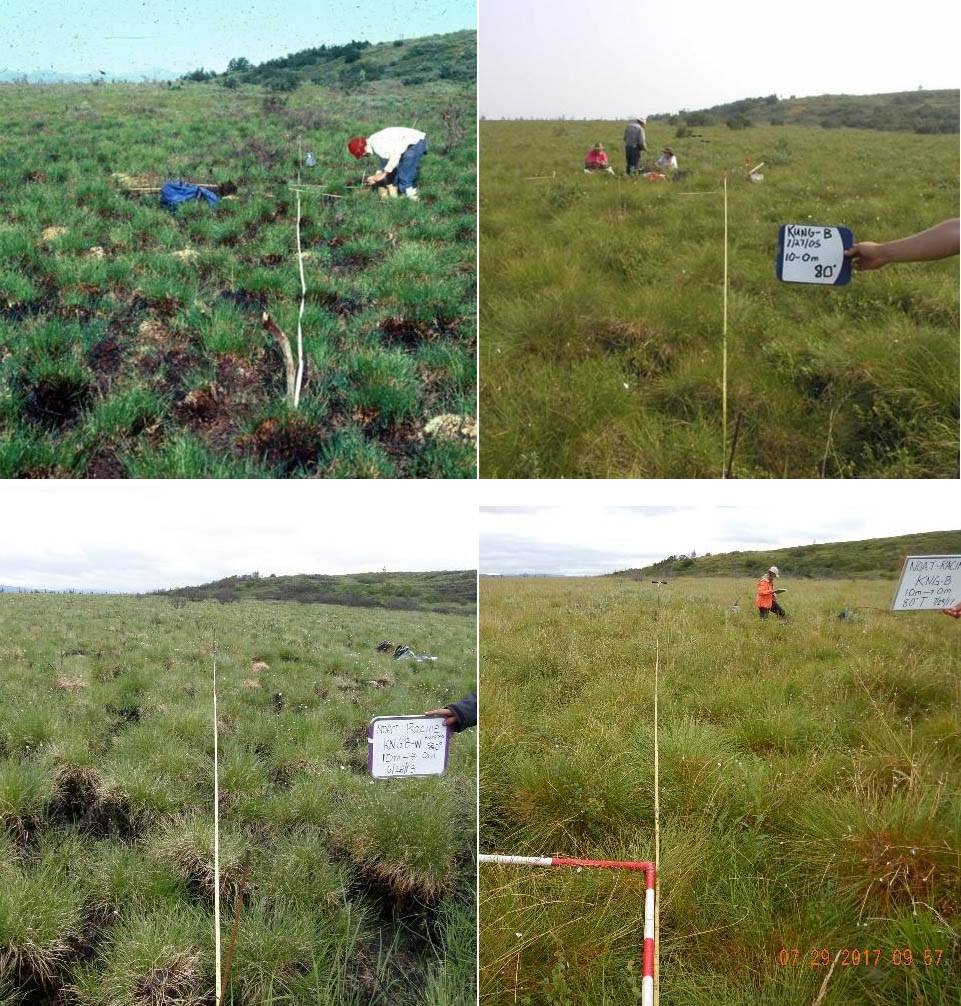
(929, 581)
(814, 254)
(940, 241)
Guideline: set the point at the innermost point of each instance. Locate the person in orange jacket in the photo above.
(765, 601)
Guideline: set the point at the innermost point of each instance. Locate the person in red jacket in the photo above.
(596, 159)
(765, 601)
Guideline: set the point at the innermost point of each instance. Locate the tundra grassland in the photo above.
(602, 308)
(131, 339)
(809, 795)
(359, 892)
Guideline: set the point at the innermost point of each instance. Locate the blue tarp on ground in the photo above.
(172, 194)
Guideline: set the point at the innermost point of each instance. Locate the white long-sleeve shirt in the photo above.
(389, 144)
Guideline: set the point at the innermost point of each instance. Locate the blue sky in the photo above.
(134, 37)
(624, 58)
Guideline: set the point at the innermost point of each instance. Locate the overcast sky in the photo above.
(594, 536)
(622, 58)
(135, 37)
(138, 536)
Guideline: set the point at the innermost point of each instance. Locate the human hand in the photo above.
(450, 718)
(954, 611)
(867, 255)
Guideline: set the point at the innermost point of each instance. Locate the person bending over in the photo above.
(399, 151)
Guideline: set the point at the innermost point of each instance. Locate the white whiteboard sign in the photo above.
(407, 746)
(813, 254)
(927, 582)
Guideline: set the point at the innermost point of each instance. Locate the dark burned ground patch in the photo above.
(245, 300)
(105, 358)
(419, 928)
(53, 400)
(406, 334)
(217, 410)
(106, 463)
(289, 442)
(84, 802)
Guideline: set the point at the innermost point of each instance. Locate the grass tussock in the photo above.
(106, 839)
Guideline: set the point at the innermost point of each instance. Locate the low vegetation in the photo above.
(448, 592)
(359, 892)
(603, 308)
(807, 794)
(901, 112)
(132, 339)
(879, 557)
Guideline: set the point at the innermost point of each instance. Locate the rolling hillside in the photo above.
(410, 62)
(906, 111)
(878, 557)
(444, 592)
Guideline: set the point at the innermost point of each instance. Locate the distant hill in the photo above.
(93, 77)
(875, 558)
(446, 592)
(410, 62)
(903, 111)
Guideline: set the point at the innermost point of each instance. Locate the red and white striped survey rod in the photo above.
(647, 981)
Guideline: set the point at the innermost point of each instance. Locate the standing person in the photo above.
(634, 142)
(399, 151)
(765, 601)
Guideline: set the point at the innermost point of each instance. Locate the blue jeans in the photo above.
(406, 173)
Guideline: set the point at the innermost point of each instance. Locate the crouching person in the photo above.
(399, 151)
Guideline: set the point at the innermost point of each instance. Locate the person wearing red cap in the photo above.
(399, 151)
(765, 602)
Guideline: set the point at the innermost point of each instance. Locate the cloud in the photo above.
(591, 539)
(139, 536)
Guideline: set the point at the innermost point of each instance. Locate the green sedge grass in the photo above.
(806, 788)
(78, 245)
(602, 335)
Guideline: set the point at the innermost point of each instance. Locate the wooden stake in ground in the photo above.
(271, 326)
(238, 908)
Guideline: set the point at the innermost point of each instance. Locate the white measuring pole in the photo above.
(724, 344)
(216, 841)
(649, 870)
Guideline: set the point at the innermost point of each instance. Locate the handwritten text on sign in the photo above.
(813, 254)
(407, 746)
(928, 581)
